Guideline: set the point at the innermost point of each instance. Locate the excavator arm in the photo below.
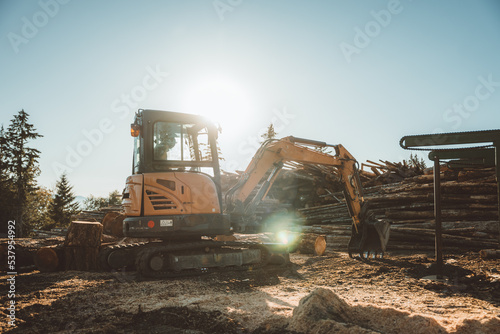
(368, 235)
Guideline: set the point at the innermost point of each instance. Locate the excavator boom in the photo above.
(368, 235)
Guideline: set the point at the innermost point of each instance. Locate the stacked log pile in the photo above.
(401, 193)
(386, 172)
(95, 216)
(470, 212)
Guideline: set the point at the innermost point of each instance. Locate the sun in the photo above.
(220, 98)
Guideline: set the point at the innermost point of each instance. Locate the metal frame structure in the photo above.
(487, 155)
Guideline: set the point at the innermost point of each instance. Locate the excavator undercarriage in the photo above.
(173, 259)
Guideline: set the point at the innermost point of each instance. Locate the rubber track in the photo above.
(106, 252)
(142, 259)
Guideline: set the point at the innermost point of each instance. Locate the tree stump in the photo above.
(81, 246)
(312, 244)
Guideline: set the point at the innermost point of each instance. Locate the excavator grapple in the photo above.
(371, 241)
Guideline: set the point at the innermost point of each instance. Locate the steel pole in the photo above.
(497, 168)
(437, 216)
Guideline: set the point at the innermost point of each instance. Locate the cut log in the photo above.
(82, 246)
(113, 223)
(337, 242)
(109, 239)
(49, 259)
(222, 237)
(490, 253)
(312, 244)
(320, 245)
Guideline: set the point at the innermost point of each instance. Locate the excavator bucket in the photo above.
(369, 238)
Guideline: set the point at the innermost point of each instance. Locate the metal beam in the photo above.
(451, 138)
(497, 160)
(486, 155)
(437, 216)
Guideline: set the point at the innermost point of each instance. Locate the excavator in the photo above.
(174, 197)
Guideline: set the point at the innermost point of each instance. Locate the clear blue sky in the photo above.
(359, 73)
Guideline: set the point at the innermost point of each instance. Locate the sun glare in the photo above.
(219, 98)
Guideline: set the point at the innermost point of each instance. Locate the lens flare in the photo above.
(286, 228)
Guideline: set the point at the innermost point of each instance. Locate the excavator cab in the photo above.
(174, 189)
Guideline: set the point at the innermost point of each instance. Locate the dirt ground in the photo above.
(389, 295)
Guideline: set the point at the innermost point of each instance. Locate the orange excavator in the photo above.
(174, 196)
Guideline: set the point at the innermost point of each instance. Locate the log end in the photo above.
(320, 246)
(46, 259)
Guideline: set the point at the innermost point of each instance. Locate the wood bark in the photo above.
(490, 253)
(113, 223)
(82, 246)
(49, 259)
(312, 244)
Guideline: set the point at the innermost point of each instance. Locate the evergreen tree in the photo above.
(6, 186)
(206, 152)
(115, 198)
(63, 205)
(21, 165)
(269, 134)
(417, 162)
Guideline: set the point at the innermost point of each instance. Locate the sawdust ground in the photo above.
(378, 293)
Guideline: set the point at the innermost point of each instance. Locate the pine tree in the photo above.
(114, 198)
(417, 162)
(21, 163)
(6, 186)
(63, 205)
(269, 134)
